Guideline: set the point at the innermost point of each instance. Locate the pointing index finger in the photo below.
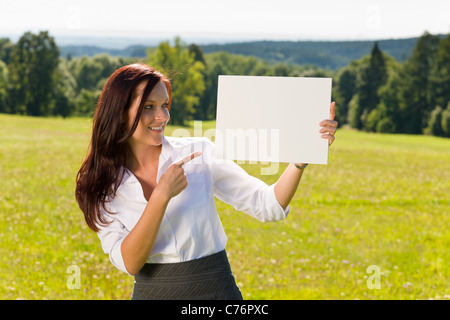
(188, 158)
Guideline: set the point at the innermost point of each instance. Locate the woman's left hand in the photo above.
(329, 127)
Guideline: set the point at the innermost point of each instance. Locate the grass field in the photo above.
(383, 200)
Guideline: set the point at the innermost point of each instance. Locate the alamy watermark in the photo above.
(73, 17)
(245, 146)
(373, 21)
(374, 281)
(74, 280)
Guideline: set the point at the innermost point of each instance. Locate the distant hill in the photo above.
(325, 54)
(137, 51)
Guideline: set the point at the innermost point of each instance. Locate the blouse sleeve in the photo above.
(245, 193)
(111, 237)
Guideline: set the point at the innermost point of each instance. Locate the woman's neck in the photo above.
(142, 157)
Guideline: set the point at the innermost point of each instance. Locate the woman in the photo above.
(150, 198)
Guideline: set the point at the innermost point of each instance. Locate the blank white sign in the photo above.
(272, 119)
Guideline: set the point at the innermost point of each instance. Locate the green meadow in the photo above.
(383, 201)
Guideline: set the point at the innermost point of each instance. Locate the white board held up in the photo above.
(272, 119)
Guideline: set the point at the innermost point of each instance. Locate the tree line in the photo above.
(379, 94)
(376, 93)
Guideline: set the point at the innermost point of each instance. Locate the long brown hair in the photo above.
(102, 170)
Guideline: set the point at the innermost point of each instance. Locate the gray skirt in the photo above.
(207, 278)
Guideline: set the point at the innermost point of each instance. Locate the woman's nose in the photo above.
(162, 114)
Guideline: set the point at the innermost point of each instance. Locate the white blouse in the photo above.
(190, 228)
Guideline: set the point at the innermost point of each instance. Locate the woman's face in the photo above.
(154, 117)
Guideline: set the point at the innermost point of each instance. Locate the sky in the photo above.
(233, 19)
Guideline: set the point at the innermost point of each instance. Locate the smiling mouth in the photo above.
(160, 128)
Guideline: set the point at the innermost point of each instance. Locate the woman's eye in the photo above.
(151, 106)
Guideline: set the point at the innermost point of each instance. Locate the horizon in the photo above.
(122, 42)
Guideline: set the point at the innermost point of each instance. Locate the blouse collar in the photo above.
(166, 152)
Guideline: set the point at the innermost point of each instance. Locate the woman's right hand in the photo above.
(173, 181)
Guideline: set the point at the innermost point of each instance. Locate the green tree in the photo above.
(434, 122)
(354, 108)
(354, 112)
(391, 101)
(186, 75)
(6, 47)
(347, 88)
(90, 75)
(87, 72)
(64, 91)
(417, 104)
(445, 121)
(209, 97)
(379, 120)
(4, 105)
(33, 62)
(372, 79)
(201, 110)
(86, 102)
(281, 70)
(197, 52)
(440, 74)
